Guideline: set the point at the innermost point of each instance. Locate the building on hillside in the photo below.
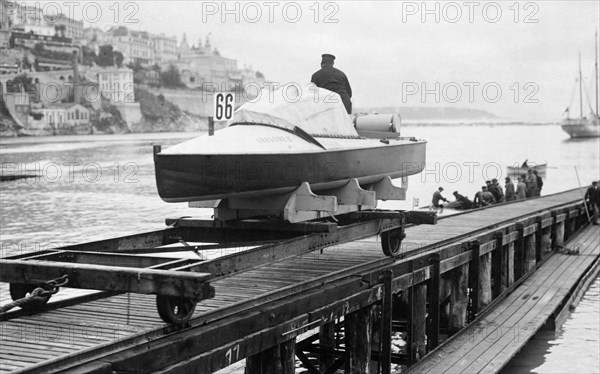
(5, 26)
(72, 28)
(200, 66)
(63, 116)
(116, 84)
(164, 49)
(136, 46)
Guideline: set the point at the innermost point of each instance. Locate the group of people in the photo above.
(528, 185)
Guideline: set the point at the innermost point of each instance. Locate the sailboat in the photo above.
(584, 127)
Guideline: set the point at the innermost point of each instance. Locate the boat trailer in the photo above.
(125, 264)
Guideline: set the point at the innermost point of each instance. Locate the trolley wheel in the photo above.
(23, 290)
(391, 240)
(175, 309)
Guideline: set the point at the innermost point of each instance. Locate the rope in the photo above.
(38, 297)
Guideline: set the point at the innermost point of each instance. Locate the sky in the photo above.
(517, 60)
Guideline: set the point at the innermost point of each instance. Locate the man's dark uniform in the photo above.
(334, 80)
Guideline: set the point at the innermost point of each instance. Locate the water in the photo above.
(95, 187)
(572, 349)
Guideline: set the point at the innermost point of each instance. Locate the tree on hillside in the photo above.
(118, 58)
(20, 82)
(89, 55)
(171, 77)
(105, 56)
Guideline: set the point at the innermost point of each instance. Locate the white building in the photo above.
(116, 84)
(164, 48)
(64, 116)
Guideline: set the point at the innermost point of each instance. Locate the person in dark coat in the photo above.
(521, 193)
(510, 190)
(465, 203)
(435, 201)
(496, 190)
(592, 198)
(540, 182)
(531, 182)
(483, 197)
(334, 80)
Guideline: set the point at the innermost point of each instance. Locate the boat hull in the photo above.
(582, 130)
(196, 177)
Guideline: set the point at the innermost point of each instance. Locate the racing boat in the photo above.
(273, 145)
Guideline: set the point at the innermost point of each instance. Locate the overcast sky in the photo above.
(392, 50)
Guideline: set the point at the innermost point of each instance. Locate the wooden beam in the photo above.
(287, 352)
(474, 279)
(265, 362)
(459, 297)
(520, 253)
(110, 278)
(357, 330)
(254, 224)
(386, 323)
(418, 307)
(433, 325)
(529, 253)
(326, 343)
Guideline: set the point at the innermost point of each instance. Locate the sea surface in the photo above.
(100, 186)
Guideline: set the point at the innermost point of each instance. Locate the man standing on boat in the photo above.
(334, 80)
(592, 198)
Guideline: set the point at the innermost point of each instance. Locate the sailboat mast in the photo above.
(580, 90)
(597, 114)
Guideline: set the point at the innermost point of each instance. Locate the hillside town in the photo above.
(59, 77)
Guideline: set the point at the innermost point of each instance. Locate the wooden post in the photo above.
(530, 252)
(459, 298)
(326, 342)
(539, 249)
(520, 252)
(499, 269)
(433, 325)
(559, 235)
(386, 323)
(418, 323)
(358, 341)
(510, 263)
(287, 352)
(211, 126)
(474, 279)
(546, 241)
(265, 362)
(485, 280)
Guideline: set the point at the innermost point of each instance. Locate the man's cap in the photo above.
(441, 188)
(595, 182)
(488, 182)
(494, 180)
(455, 193)
(484, 187)
(327, 58)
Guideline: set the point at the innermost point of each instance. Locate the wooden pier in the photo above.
(455, 281)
